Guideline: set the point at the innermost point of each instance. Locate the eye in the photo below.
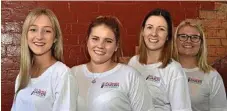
(32, 29)
(162, 29)
(94, 38)
(47, 31)
(195, 37)
(149, 27)
(109, 41)
(182, 36)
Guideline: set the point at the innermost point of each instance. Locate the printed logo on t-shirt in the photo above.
(39, 92)
(110, 85)
(153, 78)
(194, 80)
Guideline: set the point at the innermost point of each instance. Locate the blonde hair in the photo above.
(26, 54)
(202, 54)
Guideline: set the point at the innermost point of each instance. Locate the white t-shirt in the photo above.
(168, 86)
(119, 89)
(207, 90)
(55, 90)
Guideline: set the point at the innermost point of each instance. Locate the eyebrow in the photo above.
(106, 38)
(152, 25)
(43, 26)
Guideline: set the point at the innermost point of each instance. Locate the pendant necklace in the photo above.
(94, 78)
(93, 81)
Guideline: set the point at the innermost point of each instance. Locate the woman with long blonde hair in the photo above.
(44, 83)
(205, 83)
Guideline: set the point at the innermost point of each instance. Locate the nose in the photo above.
(188, 39)
(154, 32)
(101, 44)
(40, 34)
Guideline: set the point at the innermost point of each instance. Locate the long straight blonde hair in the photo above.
(202, 54)
(27, 55)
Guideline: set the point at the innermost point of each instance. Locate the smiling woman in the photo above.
(164, 76)
(44, 83)
(105, 84)
(205, 83)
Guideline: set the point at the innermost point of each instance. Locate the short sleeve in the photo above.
(139, 94)
(218, 100)
(178, 93)
(66, 93)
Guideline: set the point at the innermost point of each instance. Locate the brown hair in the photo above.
(165, 57)
(114, 24)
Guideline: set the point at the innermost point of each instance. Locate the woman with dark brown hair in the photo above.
(164, 76)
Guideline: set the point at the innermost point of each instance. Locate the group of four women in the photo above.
(153, 80)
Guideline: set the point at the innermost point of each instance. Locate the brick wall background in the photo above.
(74, 17)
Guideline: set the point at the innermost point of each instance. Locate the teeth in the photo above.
(39, 43)
(153, 40)
(99, 52)
(187, 46)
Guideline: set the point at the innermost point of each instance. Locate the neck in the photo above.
(99, 68)
(153, 56)
(188, 61)
(43, 61)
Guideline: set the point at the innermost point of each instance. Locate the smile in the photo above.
(39, 43)
(98, 52)
(187, 46)
(153, 40)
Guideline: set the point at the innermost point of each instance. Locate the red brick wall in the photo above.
(74, 18)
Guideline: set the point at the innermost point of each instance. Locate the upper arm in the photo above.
(217, 93)
(66, 92)
(178, 92)
(139, 95)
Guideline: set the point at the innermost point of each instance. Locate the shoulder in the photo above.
(213, 74)
(174, 69)
(77, 68)
(58, 66)
(128, 70)
(134, 59)
(60, 69)
(174, 64)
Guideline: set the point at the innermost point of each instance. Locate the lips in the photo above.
(187, 46)
(99, 52)
(39, 43)
(153, 40)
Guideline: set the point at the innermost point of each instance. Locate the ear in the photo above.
(55, 40)
(116, 47)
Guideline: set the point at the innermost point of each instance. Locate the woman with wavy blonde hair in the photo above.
(205, 83)
(44, 82)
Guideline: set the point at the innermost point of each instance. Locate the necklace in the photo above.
(94, 77)
(93, 81)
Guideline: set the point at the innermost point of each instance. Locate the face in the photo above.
(101, 44)
(186, 46)
(41, 36)
(155, 33)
